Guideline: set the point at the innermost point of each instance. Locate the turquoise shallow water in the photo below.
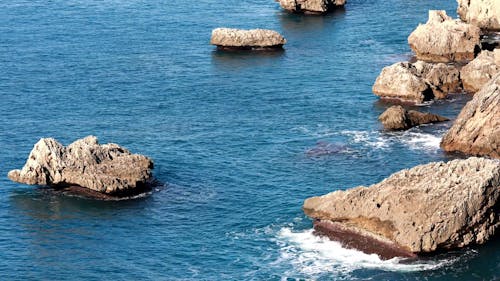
(229, 134)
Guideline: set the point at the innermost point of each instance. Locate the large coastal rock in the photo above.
(398, 118)
(417, 82)
(443, 39)
(482, 13)
(479, 71)
(430, 207)
(476, 131)
(253, 39)
(310, 6)
(108, 169)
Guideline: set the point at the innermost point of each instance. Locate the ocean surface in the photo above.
(239, 140)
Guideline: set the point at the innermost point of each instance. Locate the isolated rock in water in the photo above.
(254, 39)
(310, 6)
(443, 39)
(477, 128)
(424, 209)
(482, 13)
(107, 168)
(479, 71)
(417, 82)
(398, 118)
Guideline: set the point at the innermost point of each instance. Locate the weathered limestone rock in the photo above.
(482, 13)
(108, 168)
(427, 208)
(479, 71)
(253, 39)
(443, 39)
(310, 6)
(476, 131)
(398, 118)
(417, 82)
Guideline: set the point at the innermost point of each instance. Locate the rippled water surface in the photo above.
(239, 140)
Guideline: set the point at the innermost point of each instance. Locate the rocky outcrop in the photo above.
(310, 6)
(430, 207)
(476, 131)
(398, 118)
(417, 82)
(443, 39)
(479, 71)
(482, 13)
(106, 169)
(253, 39)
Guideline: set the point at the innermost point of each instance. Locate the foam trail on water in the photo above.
(416, 140)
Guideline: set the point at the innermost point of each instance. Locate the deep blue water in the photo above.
(229, 134)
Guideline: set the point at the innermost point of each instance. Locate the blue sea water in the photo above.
(238, 139)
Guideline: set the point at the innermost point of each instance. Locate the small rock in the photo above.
(253, 39)
(398, 118)
(482, 13)
(480, 70)
(310, 6)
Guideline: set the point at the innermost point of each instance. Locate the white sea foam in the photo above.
(417, 140)
(368, 138)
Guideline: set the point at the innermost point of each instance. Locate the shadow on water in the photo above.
(300, 23)
(240, 59)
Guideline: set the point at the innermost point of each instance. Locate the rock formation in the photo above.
(398, 118)
(443, 39)
(482, 13)
(476, 131)
(427, 208)
(310, 6)
(479, 71)
(417, 82)
(107, 169)
(254, 39)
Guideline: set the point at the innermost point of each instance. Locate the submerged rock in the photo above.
(443, 39)
(437, 206)
(310, 6)
(398, 118)
(476, 131)
(107, 169)
(253, 39)
(482, 13)
(417, 82)
(479, 71)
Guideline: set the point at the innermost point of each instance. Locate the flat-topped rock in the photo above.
(482, 13)
(480, 70)
(476, 131)
(398, 118)
(310, 6)
(443, 39)
(253, 39)
(432, 207)
(108, 169)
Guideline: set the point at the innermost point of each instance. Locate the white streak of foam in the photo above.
(372, 139)
(417, 140)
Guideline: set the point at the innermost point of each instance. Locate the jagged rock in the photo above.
(310, 6)
(398, 118)
(253, 39)
(430, 207)
(479, 71)
(443, 39)
(417, 82)
(482, 13)
(476, 131)
(108, 169)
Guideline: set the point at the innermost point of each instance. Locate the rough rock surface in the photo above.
(482, 13)
(310, 6)
(476, 131)
(427, 208)
(443, 39)
(398, 118)
(107, 168)
(246, 39)
(479, 71)
(417, 82)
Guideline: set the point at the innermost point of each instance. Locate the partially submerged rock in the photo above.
(102, 169)
(417, 82)
(482, 13)
(398, 118)
(476, 131)
(479, 71)
(437, 206)
(253, 39)
(443, 39)
(310, 6)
